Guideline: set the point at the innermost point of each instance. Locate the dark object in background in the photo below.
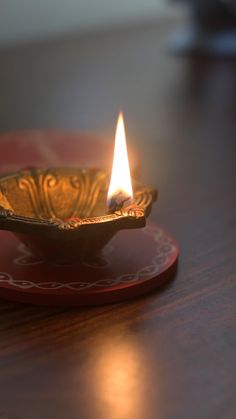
(213, 29)
(211, 15)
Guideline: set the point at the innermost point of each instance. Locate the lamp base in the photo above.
(134, 263)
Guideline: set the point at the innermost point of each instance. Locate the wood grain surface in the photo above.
(170, 355)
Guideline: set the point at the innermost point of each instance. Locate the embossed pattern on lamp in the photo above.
(61, 213)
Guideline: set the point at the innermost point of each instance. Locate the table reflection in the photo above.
(120, 380)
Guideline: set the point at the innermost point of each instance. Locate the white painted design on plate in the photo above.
(26, 258)
(165, 247)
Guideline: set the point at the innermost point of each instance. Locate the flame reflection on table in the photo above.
(120, 381)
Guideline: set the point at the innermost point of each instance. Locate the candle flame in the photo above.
(120, 188)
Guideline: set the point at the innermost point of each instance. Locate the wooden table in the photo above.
(170, 355)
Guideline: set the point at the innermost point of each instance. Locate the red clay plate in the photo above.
(134, 263)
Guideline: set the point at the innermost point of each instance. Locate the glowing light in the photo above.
(120, 188)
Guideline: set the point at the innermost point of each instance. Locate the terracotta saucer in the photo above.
(134, 263)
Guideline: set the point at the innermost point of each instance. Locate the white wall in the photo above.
(22, 20)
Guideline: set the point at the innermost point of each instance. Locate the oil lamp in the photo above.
(64, 218)
(66, 215)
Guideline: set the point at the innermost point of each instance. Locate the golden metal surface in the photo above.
(65, 208)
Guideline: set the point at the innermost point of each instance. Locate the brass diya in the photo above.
(61, 215)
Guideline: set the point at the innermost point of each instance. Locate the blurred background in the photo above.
(73, 64)
(27, 20)
(66, 64)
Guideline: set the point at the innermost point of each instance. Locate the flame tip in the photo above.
(120, 115)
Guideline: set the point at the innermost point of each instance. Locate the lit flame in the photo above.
(120, 188)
